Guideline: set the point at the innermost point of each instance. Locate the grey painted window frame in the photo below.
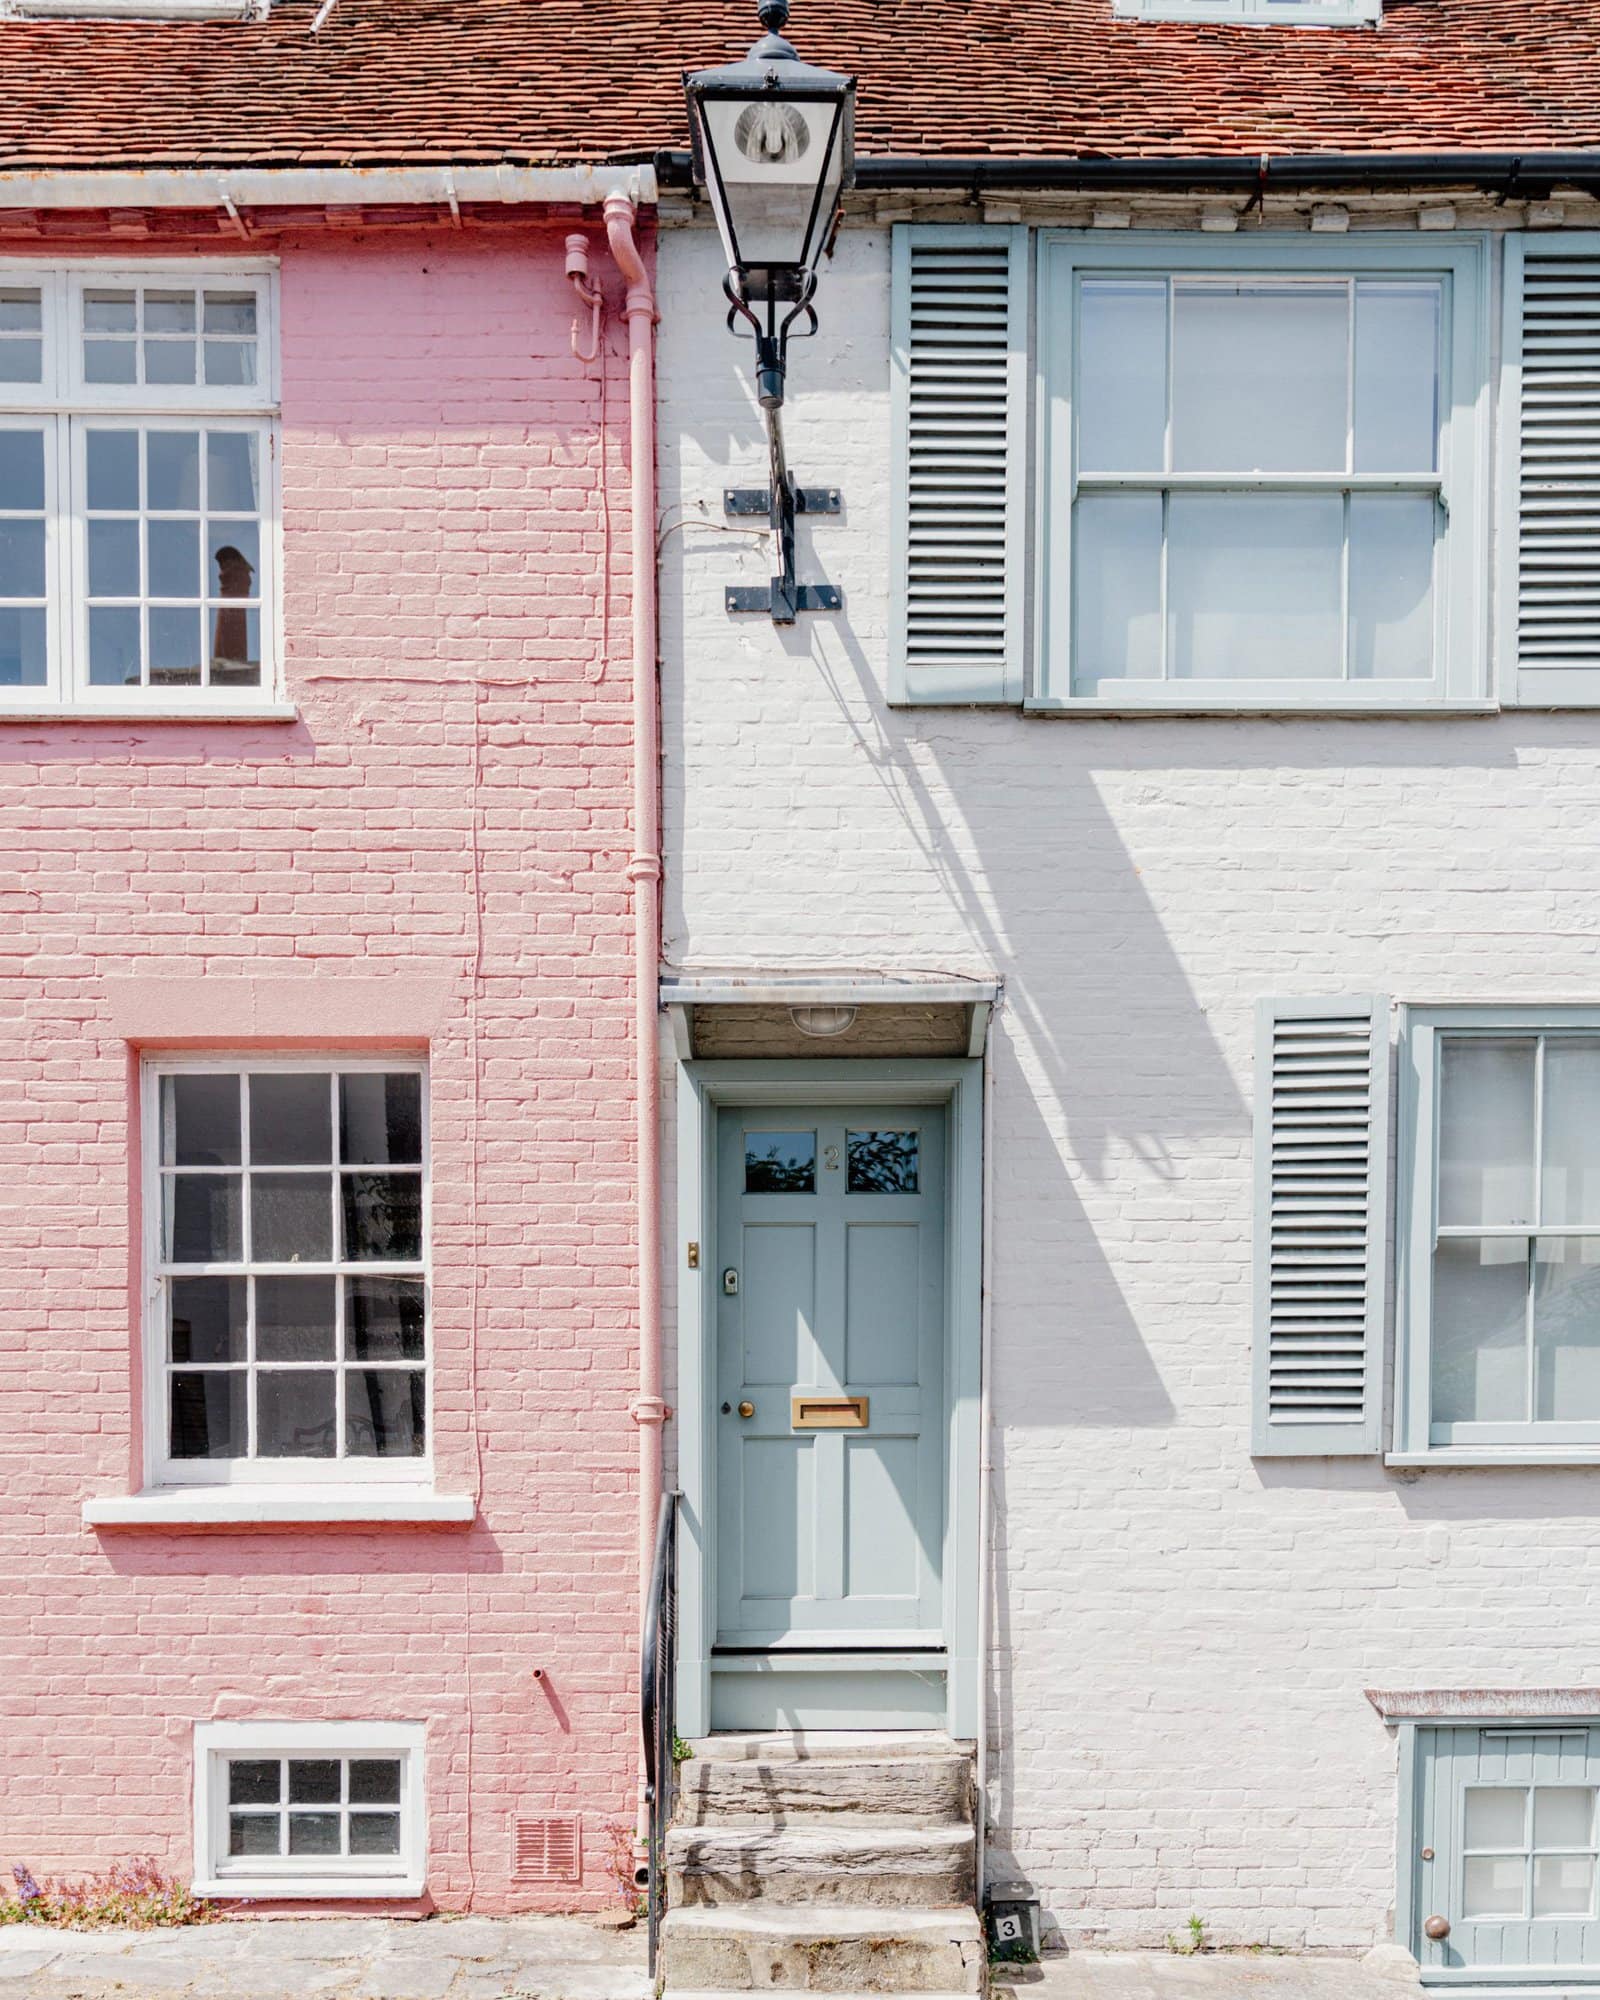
(1419, 1031)
(1464, 259)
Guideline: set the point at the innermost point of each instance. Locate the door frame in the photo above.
(703, 1089)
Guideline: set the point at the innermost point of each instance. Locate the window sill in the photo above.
(313, 1889)
(189, 711)
(1513, 1457)
(1432, 711)
(265, 1506)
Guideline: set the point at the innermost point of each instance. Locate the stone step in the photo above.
(930, 1789)
(770, 1746)
(764, 1947)
(866, 1862)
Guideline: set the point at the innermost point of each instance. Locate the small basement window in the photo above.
(309, 1809)
(1282, 13)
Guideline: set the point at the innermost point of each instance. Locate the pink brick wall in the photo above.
(453, 799)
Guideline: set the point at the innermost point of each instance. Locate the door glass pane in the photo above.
(882, 1162)
(1563, 1816)
(1122, 375)
(1391, 586)
(1116, 593)
(1480, 1296)
(1485, 1131)
(780, 1162)
(1563, 1885)
(1260, 377)
(1496, 1816)
(1566, 1331)
(1569, 1188)
(1397, 375)
(1493, 1885)
(1255, 586)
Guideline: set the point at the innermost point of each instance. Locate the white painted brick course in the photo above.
(1181, 1636)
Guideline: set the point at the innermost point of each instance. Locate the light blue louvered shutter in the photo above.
(1322, 1147)
(959, 463)
(1550, 432)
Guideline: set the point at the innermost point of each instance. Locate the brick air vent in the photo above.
(546, 1850)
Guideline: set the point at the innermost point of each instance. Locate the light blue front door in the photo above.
(1508, 1850)
(831, 1422)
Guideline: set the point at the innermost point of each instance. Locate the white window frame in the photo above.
(216, 1873)
(68, 405)
(324, 1476)
(1522, 1444)
(1461, 261)
(1276, 13)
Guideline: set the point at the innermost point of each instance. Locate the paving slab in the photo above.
(1211, 1975)
(294, 1958)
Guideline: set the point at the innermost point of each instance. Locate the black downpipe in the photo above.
(1522, 176)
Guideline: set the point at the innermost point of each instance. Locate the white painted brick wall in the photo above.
(1181, 1635)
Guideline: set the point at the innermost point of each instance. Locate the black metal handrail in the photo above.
(658, 1712)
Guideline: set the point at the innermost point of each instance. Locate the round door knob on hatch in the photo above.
(1436, 1928)
(747, 1409)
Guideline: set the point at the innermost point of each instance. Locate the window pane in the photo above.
(200, 1120)
(114, 361)
(230, 364)
(1492, 1885)
(291, 1118)
(374, 1833)
(113, 468)
(314, 1833)
(172, 552)
(168, 312)
(172, 470)
(375, 1781)
(881, 1162)
(230, 312)
(780, 1162)
(291, 1218)
(169, 362)
(1485, 1131)
(253, 1833)
(21, 349)
(1397, 375)
(1116, 576)
(235, 648)
(380, 1119)
(1569, 1189)
(294, 1319)
(173, 634)
(383, 1217)
(1563, 1885)
(384, 1319)
(114, 647)
(295, 1413)
(23, 657)
(204, 1219)
(1122, 375)
(1496, 1816)
(1563, 1816)
(1391, 586)
(109, 312)
(1255, 587)
(254, 1781)
(21, 360)
(385, 1413)
(114, 559)
(1259, 377)
(21, 469)
(207, 1319)
(314, 1781)
(232, 486)
(1566, 1330)
(21, 558)
(208, 1415)
(233, 557)
(1480, 1296)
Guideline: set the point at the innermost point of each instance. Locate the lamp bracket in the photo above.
(745, 500)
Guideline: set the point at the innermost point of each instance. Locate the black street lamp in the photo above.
(774, 148)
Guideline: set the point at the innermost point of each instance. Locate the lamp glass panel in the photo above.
(768, 155)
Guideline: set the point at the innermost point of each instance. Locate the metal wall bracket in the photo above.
(745, 500)
(780, 502)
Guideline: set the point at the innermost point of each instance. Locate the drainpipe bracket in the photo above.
(649, 1410)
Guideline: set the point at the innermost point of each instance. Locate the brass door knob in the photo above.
(1436, 1928)
(747, 1409)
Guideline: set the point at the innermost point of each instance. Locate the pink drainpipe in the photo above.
(644, 866)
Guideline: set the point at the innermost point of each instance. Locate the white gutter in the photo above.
(316, 187)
